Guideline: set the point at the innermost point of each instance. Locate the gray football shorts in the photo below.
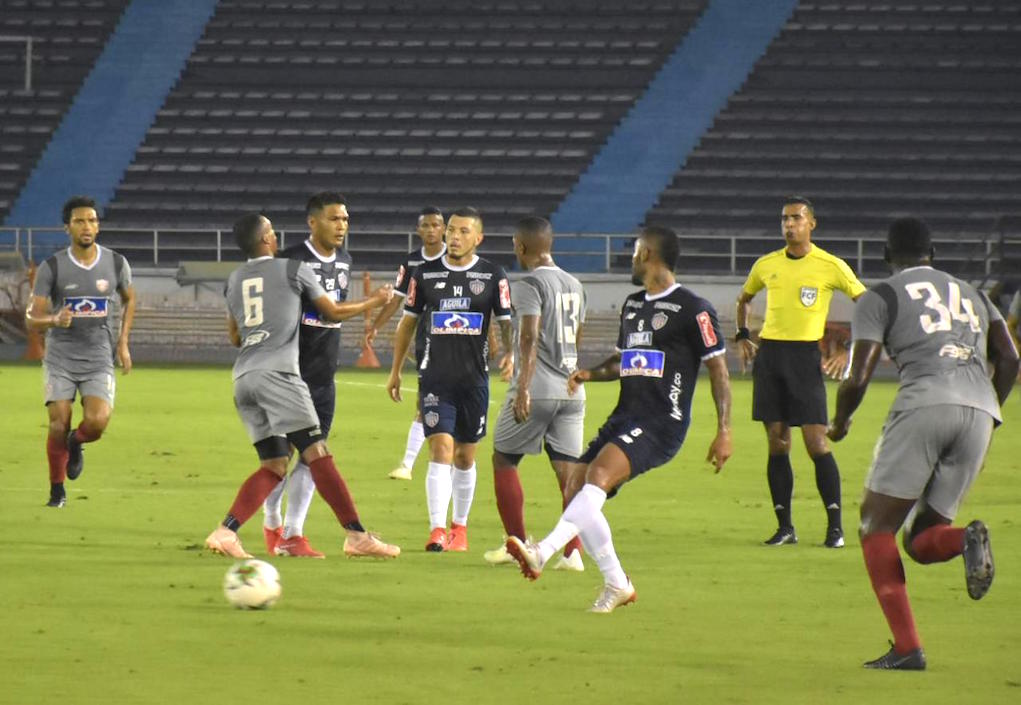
(932, 454)
(61, 385)
(273, 403)
(560, 422)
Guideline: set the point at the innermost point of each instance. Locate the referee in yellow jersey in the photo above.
(788, 385)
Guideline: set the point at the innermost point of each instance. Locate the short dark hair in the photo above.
(320, 200)
(664, 241)
(468, 212)
(75, 202)
(535, 232)
(789, 200)
(430, 210)
(246, 232)
(908, 238)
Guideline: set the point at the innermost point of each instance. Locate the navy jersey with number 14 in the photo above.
(457, 303)
(663, 340)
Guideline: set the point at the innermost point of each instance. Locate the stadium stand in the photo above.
(396, 103)
(68, 36)
(873, 109)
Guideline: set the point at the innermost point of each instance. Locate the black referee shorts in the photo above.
(788, 384)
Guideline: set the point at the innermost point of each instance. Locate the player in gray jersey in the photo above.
(72, 302)
(943, 335)
(549, 310)
(264, 302)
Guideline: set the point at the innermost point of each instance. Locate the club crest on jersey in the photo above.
(430, 400)
(342, 280)
(641, 363)
(640, 339)
(457, 323)
(809, 295)
(659, 320)
(431, 418)
(458, 304)
(86, 306)
(477, 286)
(103, 285)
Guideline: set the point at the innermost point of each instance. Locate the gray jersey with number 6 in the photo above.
(935, 329)
(264, 298)
(559, 300)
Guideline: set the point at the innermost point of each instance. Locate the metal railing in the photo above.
(712, 252)
(28, 41)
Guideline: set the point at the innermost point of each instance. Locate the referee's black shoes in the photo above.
(785, 534)
(834, 537)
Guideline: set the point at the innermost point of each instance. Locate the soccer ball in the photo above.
(252, 584)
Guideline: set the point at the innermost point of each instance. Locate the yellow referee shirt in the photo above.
(798, 291)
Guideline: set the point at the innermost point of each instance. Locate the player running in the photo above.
(455, 295)
(318, 359)
(942, 334)
(666, 331)
(430, 230)
(71, 302)
(549, 305)
(264, 302)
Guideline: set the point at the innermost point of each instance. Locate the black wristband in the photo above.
(742, 334)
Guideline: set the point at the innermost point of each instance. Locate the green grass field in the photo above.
(111, 600)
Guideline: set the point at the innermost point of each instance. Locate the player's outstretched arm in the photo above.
(719, 379)
(384, 315)
(607, 371)
(128, 301)
(745, 347)
(334, 311)
(1004, 357)
(402, 341)
(864, 357)
(39, 318)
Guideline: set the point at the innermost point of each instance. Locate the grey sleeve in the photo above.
(124, 276)
(525, 297)
(994, 313)
(1015, 305)
(308, 285)
(870, 317)
(43, 280)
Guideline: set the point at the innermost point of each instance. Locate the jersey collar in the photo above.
(463, 268)
(99, 255)
(259, 259)
(674, 287)
(314, 251)
(427, 258)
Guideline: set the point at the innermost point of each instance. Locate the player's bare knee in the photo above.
(59, 428)
(278, 466)
(463, 457)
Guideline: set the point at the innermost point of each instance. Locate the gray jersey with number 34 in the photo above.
(935, 328)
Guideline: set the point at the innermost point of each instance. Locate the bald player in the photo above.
(539, 413)
(788, 387)
(944, 336)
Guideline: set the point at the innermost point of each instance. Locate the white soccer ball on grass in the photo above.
(252, 584)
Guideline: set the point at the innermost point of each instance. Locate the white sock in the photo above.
(581, 512)
(437, 494)
(271, 507)
(463, 481)
(598, 543)
(416, 437)
(300, 489)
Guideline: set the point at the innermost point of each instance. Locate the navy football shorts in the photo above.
(460, 412)
(646, 445)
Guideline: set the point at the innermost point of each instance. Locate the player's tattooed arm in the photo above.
(127, 323)
(864, 357)
(607, 371)
(39, 318)
(507, 343)
(528, 339)
(232, 331)
(719, 379)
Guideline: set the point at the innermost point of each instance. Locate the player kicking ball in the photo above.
(264, 303)
(666, 332)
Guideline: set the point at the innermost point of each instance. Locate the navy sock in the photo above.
(781, 487)
(827, 480)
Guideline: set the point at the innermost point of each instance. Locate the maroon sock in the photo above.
(510, 501)
(332, 488)
(886, 571)
(938, 543)
(56, 456)
(84, 434)
(575, 543)
(252, 494)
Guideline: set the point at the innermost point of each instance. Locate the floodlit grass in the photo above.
(111, 600)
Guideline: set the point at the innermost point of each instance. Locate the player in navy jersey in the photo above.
(454, 296)
(666, 332)
(318, 359)
(430, 229)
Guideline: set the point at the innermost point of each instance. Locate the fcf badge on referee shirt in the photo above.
(809, 295)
